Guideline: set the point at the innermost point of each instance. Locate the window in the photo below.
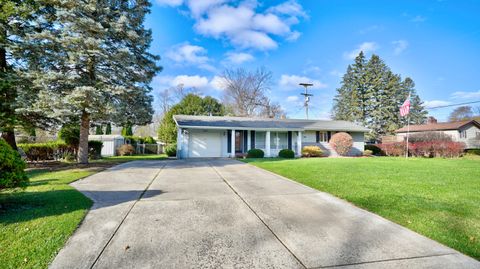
(278, 140)
(260, 140)
(478, 135)
(463, 134)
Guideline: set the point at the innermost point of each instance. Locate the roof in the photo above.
(216, 122)
(442, 126)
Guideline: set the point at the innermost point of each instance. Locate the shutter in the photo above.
(289, 140)
(229, 141)
(252, 138)
(245, 141)
(329, 135)
(318, 136)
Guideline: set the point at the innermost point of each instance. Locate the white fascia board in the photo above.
(240, 128)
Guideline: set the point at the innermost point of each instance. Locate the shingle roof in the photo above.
(266, 123)
(437, 126)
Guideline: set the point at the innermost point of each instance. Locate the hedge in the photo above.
(47, 151)
(312, 151)
(171, 150)
(446, 149)
(375, 149)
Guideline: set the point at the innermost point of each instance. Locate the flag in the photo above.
(405, 108)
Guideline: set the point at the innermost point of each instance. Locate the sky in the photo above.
(436, 43)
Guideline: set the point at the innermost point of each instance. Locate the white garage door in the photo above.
(205, 144)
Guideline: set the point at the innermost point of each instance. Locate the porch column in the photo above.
(249, 140)
(232, 145)
(299, 143)
(267, 144)
(179, 143)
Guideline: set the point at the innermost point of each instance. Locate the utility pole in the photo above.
(306, 96)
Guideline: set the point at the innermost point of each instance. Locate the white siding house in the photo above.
(210, 136)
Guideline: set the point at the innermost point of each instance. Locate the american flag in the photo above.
(405, 108)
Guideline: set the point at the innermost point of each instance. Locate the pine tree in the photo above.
(98, 130)
(371, 94)
(97, 59)
(127, 130)
(108, 129)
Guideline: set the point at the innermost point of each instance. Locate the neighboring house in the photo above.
(467, 131)
(212, 136)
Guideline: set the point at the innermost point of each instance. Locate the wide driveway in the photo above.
(227, 214)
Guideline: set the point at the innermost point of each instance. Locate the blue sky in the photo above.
(436, 43)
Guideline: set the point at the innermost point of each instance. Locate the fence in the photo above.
(149, 149)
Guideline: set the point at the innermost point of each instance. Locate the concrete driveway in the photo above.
(227, 214)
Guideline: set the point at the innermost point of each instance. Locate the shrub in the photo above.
(394, 149)
(70, 133)
(150, 140)
(255, 153)
(171, 150)
(126, 150)
(473, 151)
(367, 153)
(375, 149)
(342, 143)
(428, 137)
(12, 167)
(95, 149)
(47, 151)
(311, 151)
(286, 153)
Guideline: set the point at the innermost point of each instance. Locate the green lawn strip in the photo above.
(145, 157)
(36, 222)
(439, 198)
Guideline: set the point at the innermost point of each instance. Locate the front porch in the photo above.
(271, 142)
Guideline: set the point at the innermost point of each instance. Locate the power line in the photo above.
(460, 104)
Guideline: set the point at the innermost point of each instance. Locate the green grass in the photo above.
(133, 158)
(439, 198)
(36, 222)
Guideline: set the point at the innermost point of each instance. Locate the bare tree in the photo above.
(245, 92)
(272, 110)
(461, 113)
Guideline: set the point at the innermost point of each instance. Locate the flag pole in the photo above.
(408, 133)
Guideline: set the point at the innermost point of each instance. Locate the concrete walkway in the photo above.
(227, 214)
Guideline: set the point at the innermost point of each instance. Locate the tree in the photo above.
(371, 94)
(97, 64)
(108, 129)
(191, 104)
(246, 92)
(98, 130)
(461, 113)
(127, 130)
(17, 20)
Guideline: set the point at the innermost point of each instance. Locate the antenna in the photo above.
(306, 95)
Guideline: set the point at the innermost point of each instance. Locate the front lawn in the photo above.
(36, 222)
(439, 198)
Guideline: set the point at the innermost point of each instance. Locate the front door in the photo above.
(238, 141)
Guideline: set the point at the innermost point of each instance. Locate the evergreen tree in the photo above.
(127, 130)
(17, 20)
(99, 130)
(191, 104)
(96, 59)
(108, 129)
(371, 94)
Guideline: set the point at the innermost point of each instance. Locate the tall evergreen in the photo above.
(371, 94)
(108, 129)
(97, 63)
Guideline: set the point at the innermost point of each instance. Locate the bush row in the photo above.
(134, 140)
(58, 150)
(447, 149)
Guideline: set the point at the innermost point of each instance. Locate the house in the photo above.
(467, 131)
(213, 136)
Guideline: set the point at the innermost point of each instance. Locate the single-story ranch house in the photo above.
(467, 131)
(213, 136)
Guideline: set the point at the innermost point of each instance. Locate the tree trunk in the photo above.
(83, 145)
(9, 137)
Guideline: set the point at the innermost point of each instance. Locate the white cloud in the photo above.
(239, 57)
(399, 46)
(242, 25)
(418, 18)
(290, 82)
(466, 95)
(172, 3)
(366, 47)
(293, 98)
(188, 54)
(196, 81)
(217, 83)
(435, 103)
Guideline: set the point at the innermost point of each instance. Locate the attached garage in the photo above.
(205, 143)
